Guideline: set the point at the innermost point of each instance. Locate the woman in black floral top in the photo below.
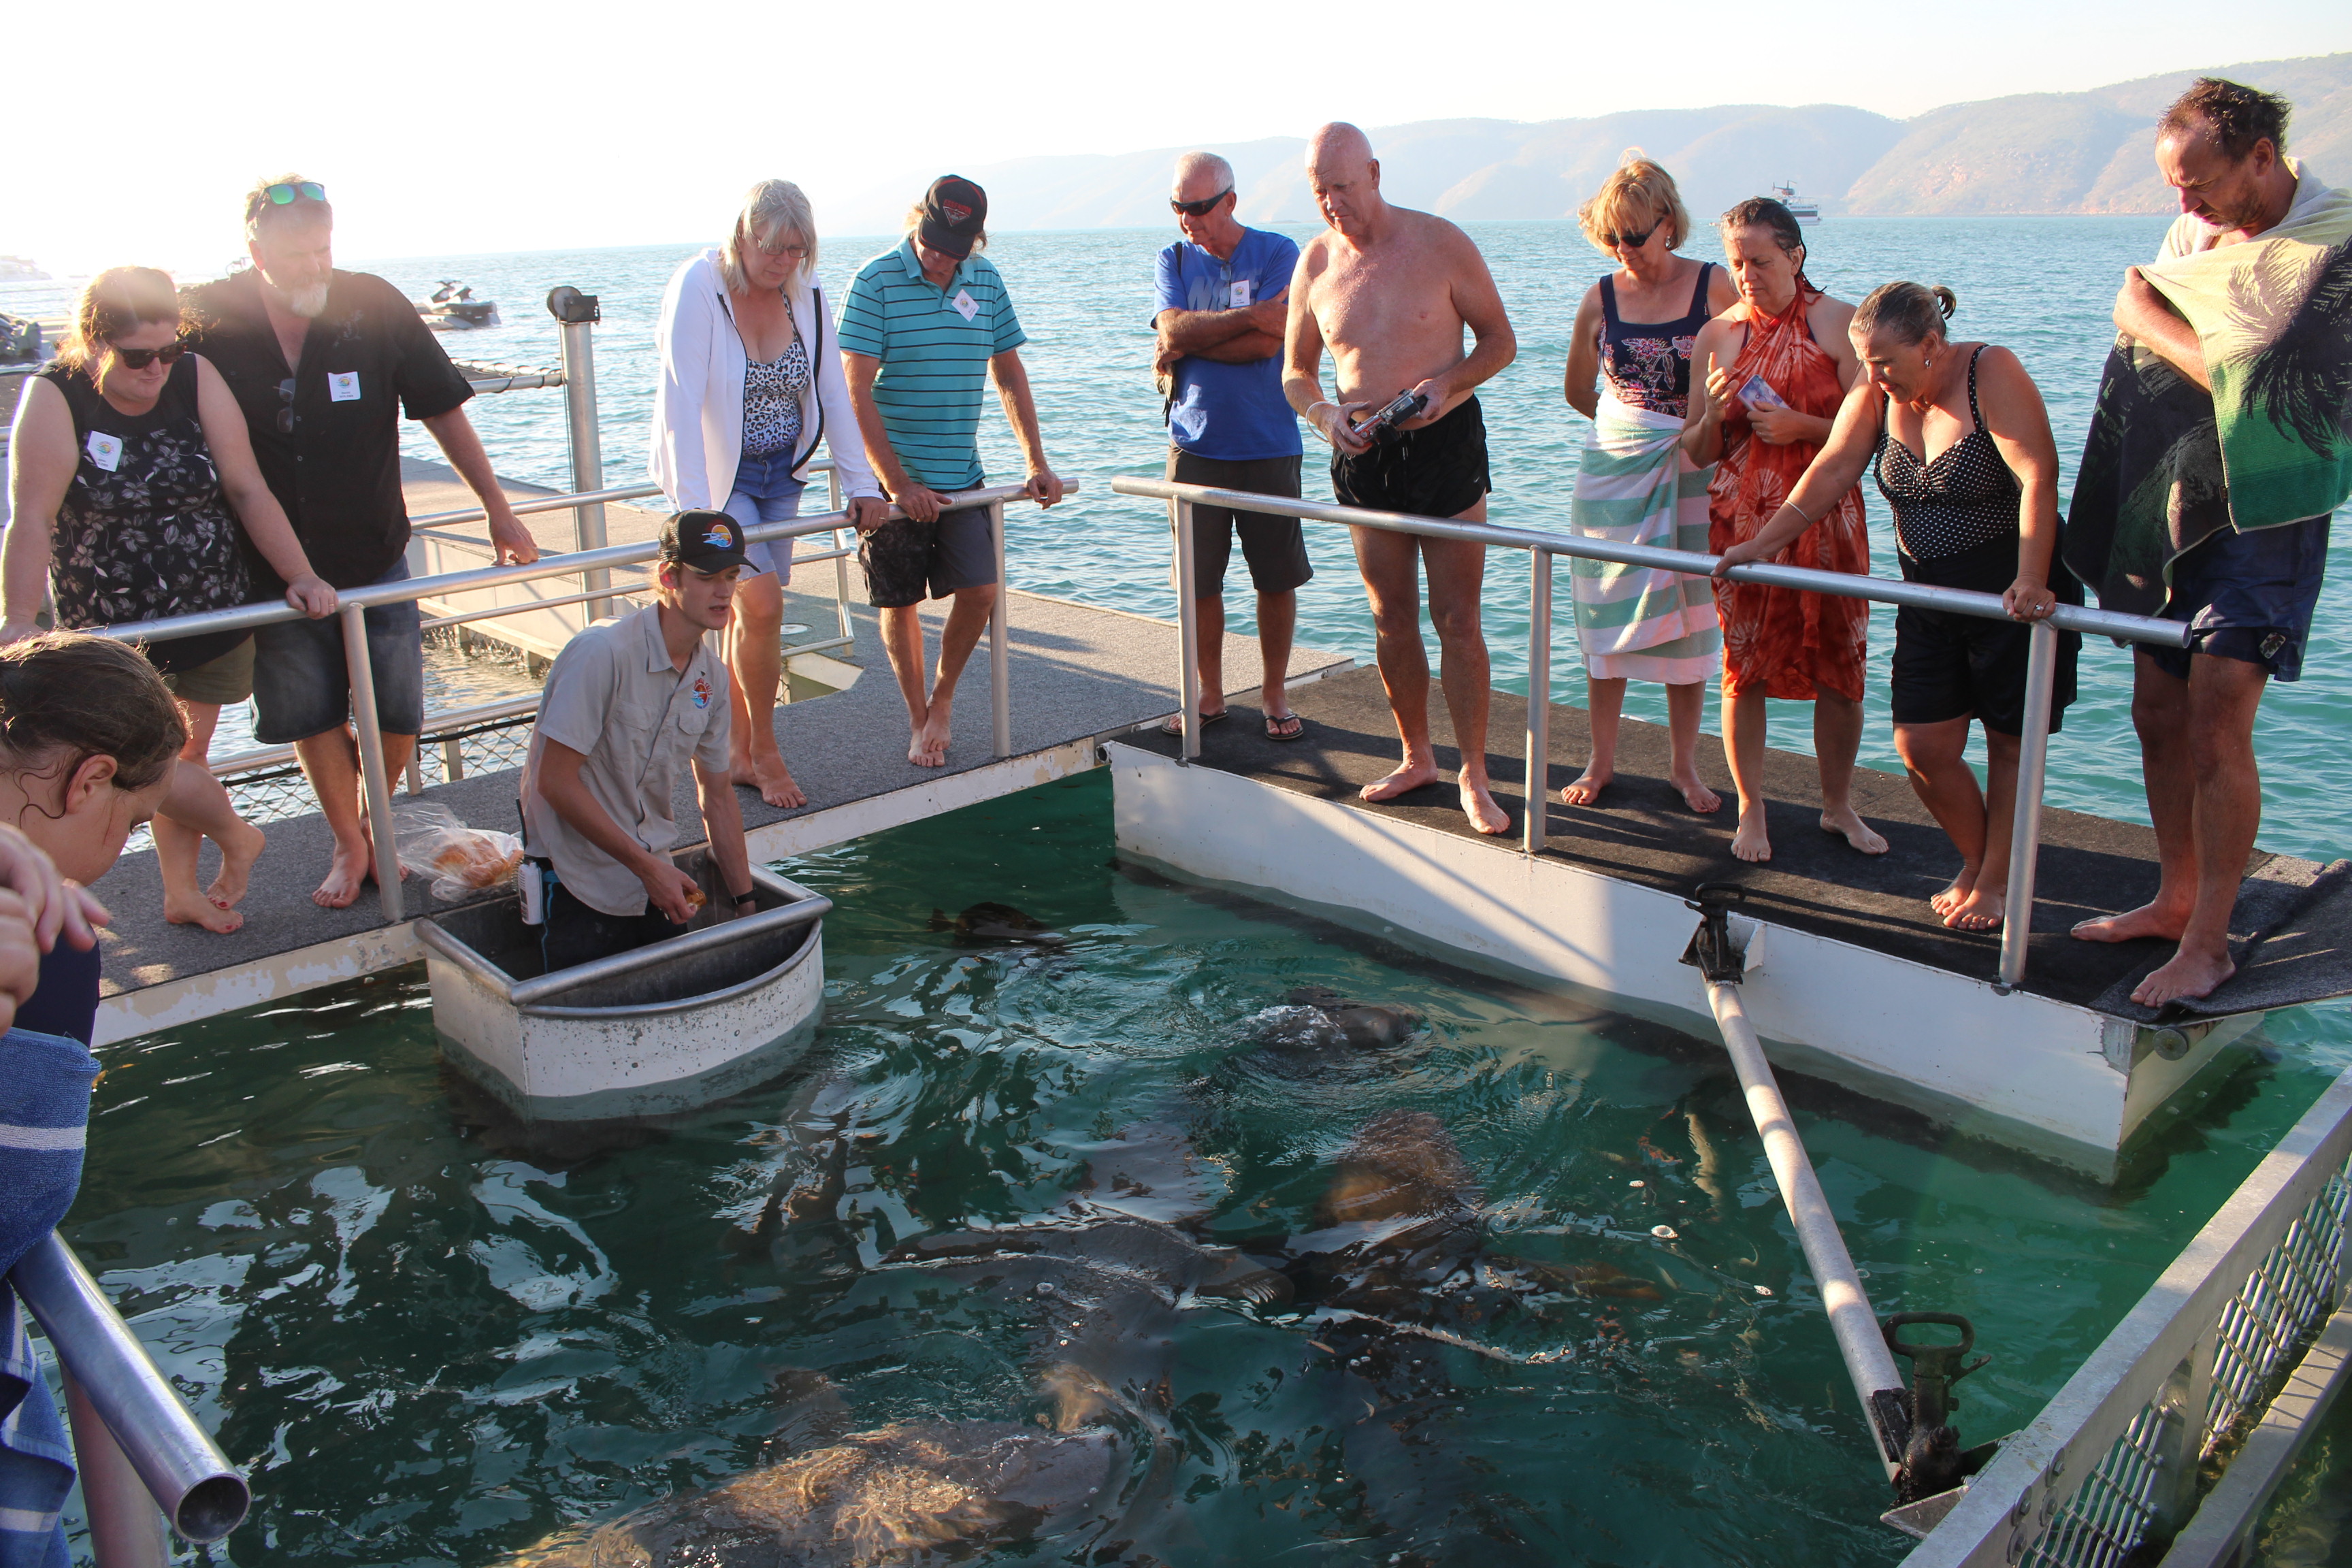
(130, 473)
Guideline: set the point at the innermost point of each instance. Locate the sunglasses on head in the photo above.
(140, 359)
(286, 193)
(1200, 208)
(1631, 241)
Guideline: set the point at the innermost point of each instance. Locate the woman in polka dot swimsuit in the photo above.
(1980, 514)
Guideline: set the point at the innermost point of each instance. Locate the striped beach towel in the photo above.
(45, 1082)
(1635, 487)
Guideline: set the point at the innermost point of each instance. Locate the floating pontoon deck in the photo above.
(1851, 975)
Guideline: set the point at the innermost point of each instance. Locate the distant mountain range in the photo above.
(2035, 152)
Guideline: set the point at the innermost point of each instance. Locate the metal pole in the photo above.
(1860, 1341)
(453, 762)
(843, 539)
(1188, 637)
(371, 774)
(2025, 830)
(587, 451)
(1000, 677)
(126, 1528)
(1539, 698)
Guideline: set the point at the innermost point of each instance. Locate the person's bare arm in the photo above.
(722, 822)
(41, 463)
(1712, 352)
(559, 783)
(1494, 345)
(920, 502)
(1583, 388)
(510, 541)
(2020, 427)
(2147, 317)
(1197, 332)
(1011, 378)
(1302, 361)
(250, 497)
(1834, 471)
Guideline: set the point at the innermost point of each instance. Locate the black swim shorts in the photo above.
(2247, 597)
(1438, 471)
(1275, 547)
(906, 561)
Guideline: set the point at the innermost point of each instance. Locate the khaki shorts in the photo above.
(221, 681)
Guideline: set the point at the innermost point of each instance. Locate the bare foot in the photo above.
(2148, 920)
(1953, 897)
(1479, 806)
(1696, 796)
(1979, 909)
(1407, 777)
(1587, 787)
(928, 746)
(1750, 842)
(236, 868)
(2188, 976)
(195, 909)
(769, 776)
(1853, 830)
(353, 864)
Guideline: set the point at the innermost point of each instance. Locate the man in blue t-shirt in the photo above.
(1221, 302)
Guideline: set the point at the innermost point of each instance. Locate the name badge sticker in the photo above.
(1241, 293)
(965, 304)
(344, 386)
(105, 450)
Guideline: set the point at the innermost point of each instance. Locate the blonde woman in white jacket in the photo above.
(750, 384)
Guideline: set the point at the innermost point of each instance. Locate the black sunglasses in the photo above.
(1631, 241)
(140, 359)
(286, 414)
(1199, 209)
(286, 193)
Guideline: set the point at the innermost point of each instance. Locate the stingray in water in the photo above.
(992, 923)
(1316, 1019)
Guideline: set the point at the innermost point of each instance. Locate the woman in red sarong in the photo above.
(1777, 365)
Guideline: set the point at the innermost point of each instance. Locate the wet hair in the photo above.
(66, 697)
(1909, 312)
(1640, 188)
(119, 300)
(1775, 219)
(770, 208)
(2233, 115)
(260, 210)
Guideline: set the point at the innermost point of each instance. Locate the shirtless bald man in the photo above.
(1390, 290)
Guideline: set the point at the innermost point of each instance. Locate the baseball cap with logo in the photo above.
(955, 214)
(704, 542)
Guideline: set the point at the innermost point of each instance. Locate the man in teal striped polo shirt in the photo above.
(924, 329)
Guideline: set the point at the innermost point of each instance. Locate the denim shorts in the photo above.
(2247, 597)
(765, 492)
(302, 688)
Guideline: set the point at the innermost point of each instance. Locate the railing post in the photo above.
(2025, 829)
(2184, 1399)
(372, 779)
(126, 1528)
(1000, 658)
(1188, 638)
(453, 760)
(578, 314)
(1538, 699)
(843, 539)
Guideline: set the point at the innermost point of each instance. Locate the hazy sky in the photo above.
(497, 126)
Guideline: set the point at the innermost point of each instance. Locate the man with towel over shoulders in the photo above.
(625, 702)
(2221, 443)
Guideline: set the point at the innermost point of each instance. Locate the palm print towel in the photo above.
(2167, 464)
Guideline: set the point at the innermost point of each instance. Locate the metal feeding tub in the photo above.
(724, 1005)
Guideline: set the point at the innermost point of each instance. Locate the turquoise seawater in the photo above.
(433, 1344)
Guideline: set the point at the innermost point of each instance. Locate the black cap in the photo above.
(704, 542)
(955, 212)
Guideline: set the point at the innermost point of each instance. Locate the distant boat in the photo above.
(453, 308)
(17, 269)
(1803, 211)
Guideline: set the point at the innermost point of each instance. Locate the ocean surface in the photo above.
(433, 1340)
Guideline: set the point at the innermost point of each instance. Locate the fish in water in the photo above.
(909, 1492)
(1316, 1019)
(998, 922)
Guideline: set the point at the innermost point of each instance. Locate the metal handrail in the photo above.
(2042, 663)
(190, 1478)
(2153, 1377)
